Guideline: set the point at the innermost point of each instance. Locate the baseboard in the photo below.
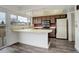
(8, 45)
(77, 49)
(62, 38)
(34, 45)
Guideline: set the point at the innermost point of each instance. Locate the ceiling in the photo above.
(33, 10)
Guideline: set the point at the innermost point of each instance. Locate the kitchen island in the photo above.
(34, 37)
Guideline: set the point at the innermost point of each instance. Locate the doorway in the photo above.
(2, 29)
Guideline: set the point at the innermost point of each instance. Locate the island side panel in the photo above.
(34, 38)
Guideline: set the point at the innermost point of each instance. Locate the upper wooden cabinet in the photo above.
(53, 20)
(38, 20)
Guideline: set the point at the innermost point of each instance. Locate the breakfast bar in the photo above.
(34, 37)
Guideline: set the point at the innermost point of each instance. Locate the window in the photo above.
(19, 20)
(2, 18)
(22, 19)
(13, 18)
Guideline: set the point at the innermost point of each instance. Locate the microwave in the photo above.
(46, 23)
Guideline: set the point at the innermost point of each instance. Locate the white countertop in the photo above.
(32, 30)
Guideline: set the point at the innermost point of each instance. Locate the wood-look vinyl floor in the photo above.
(57, 46)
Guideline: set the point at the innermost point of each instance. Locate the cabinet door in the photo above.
(61, 28)
(39, 20)
(52, 34)
(35, 20)
(53, 21)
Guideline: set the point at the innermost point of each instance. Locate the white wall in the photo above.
(77, 30)
(71, 26)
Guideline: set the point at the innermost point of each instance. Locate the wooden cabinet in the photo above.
(53, 20)
(36, 20)
(39, 20)
(52, 34)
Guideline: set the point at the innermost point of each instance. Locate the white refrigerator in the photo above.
(61, 30)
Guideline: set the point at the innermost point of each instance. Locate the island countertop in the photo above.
(32, 30)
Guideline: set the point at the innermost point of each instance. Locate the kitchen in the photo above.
(39, 29)
(42, 28)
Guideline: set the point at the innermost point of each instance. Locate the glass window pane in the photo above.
(22, 19)
(2, 17)
(13, 18)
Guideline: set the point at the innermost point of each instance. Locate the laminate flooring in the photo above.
(56, 46)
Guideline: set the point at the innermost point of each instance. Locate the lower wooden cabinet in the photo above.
(52, 34)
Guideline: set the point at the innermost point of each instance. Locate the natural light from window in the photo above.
(13, 18)
(22, 19)
(2, 17)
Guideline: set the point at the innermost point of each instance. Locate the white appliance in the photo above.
(61, 28)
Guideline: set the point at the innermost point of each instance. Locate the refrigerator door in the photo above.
(61, 28)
